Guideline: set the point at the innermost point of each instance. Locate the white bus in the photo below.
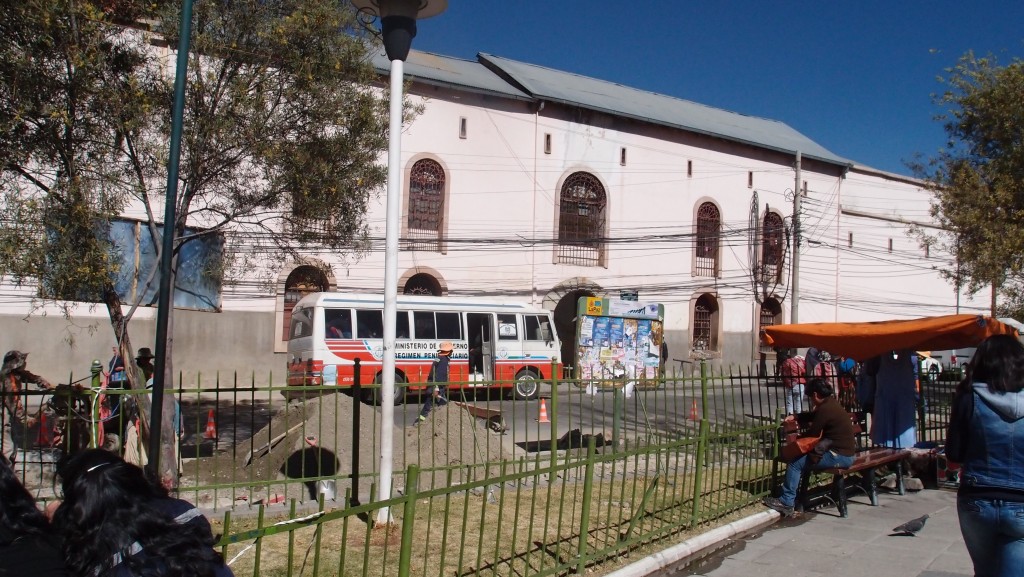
(497, 344)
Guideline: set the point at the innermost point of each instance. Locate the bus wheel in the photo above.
(527, 385)
(373, 396)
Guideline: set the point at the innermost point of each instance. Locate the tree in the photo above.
(283, 135)
(978, 178)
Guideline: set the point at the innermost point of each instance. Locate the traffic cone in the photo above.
(693, 411)
(211, 427)
(543, 412)
(44, 438)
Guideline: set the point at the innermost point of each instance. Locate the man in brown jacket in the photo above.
(18, 419)
(836, 449)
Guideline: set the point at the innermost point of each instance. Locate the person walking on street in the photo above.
(438, 375)
(986, 436)
(836, 448)
(14, 376)
(793, 379)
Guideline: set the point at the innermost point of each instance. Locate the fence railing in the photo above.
(586, 473)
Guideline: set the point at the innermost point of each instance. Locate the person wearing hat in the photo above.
(438, 375)
(144, 359)
(13, 379)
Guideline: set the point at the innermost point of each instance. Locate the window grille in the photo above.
(709, 224)
(701, 327)
(426, 206)
(771, 315)
(581, 220)
(772, 248)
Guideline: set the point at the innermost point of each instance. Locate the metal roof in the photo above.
(601, 95)
(521, 81)
(440, 70)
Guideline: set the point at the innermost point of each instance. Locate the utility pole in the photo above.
(794, 308)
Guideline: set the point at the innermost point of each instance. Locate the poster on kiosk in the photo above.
(618, 343)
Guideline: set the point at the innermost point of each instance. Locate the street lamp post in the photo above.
(398, 27)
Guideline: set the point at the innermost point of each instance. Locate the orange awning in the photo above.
(862, 341)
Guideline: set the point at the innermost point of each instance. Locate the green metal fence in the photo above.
(584, 476)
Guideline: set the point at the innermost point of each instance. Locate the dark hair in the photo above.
(109, 506)
(19, 515)
(819, 386)
(999, 363)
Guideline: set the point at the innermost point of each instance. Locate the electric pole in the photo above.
(794, 308)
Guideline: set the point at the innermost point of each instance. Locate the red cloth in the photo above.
(792, 372)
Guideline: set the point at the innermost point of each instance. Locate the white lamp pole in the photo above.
(398, 27)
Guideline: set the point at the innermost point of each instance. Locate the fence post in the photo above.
(702, 444)
(616, 416)
(588, 493)
(408, 516)
(356, 403)
(554, 422)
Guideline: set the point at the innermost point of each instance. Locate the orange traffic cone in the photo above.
(211, 427)
(693, 411)
(543, 412)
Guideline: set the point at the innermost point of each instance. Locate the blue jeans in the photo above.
(795, 470)
(795, 399)
(993, 531)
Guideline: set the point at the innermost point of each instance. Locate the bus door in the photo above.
(480, 336)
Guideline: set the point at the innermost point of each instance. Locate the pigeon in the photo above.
(910, 528)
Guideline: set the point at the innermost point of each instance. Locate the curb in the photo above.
(673, 555)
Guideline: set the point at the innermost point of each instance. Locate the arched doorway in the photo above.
(422, 284)
(562, 299)
(303, 280)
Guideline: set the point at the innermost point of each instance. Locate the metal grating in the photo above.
(709, 226)
(426, 206)
(772, 254)
(581, 220)
(770, 312)
(701, 326)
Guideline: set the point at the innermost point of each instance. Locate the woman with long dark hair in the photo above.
(986, 436)
(116, 523)
(27, 547)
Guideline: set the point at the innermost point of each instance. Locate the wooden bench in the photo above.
(865, 463)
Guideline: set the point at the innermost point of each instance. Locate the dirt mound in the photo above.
(318, 436)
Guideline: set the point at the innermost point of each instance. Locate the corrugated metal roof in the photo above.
(521, 81)
(448, 71)
(557, 86)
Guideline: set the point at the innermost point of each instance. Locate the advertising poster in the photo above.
(619, 343)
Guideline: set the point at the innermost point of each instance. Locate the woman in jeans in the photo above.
(986, 436)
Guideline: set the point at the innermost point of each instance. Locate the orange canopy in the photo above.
(862, 341)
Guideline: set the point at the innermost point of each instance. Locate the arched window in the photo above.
(302, 281)
(772, 248)
(426, 206)
(581, 222)
(705, 323)
(771, 315)
(709, 229)
(422, 284)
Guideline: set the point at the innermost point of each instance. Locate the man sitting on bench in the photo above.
(835, 450)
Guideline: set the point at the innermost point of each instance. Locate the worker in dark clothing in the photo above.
(14, 377)
(836, 448)
(438, 376)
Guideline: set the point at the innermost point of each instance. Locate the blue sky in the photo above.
(857, 77)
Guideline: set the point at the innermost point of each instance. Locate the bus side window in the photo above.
(369, 324)
(402, 325)
(507, 328)
(423, 322)
(537, 328)
(338, 324)
(449, 326)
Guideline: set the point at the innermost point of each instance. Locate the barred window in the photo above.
(426, 206)
(705, 323)
(772, 239)
(581, 220)
(709, 226)
(771, 315)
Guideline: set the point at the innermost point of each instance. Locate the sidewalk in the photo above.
(822, 543)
